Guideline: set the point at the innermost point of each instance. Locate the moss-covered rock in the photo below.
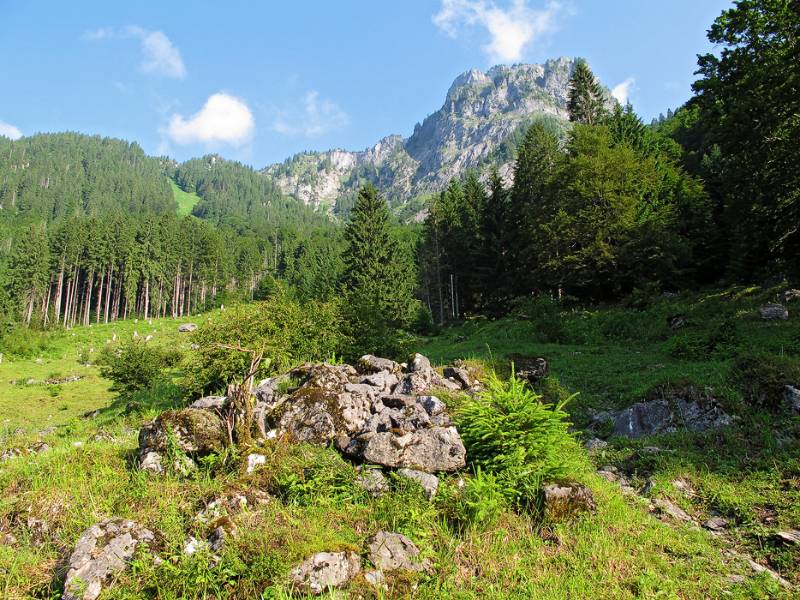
(193, 430)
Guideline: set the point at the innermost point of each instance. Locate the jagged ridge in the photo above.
(481, 111)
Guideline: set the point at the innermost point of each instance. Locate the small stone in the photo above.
(193, 546)
(210, 402)
(773, 311)
(791, 536)
(375, 578)
(393, 551)
(791, 397)
(428, 481)
(432, 405)
(217, 539)
(187, 327)
(667, 507)
(372, 481)
(255, 460)
(325, 571)
(595, 444)
(563, 501)
(716, 524)
(151, 461)
(374, 364)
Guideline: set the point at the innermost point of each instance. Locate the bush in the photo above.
(135, 365)
(519, 440)
(544, 313)
(764, 377)
(718, 338)
(285, 331)
(477, 504)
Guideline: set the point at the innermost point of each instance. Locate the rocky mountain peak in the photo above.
(481, 111)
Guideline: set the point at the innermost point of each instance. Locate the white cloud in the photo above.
(318, 116)
(159, 55)
(511, 30)
(622, 91)
(224, 119)
(9, 131)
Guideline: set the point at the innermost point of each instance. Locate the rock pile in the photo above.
(379, 412)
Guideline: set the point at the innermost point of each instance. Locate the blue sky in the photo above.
(259, 81)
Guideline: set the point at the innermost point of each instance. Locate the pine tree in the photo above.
(586, 102)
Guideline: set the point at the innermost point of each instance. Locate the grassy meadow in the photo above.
(305, 499)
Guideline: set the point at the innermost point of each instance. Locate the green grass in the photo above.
(185, 200)
(38, 356)
(749, 473)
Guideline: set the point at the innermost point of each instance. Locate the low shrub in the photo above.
(719, 337)
(285, 331)
(544, 314)
(763, 377)
(522, 442)
(135, 365)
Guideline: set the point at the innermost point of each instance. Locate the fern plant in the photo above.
(511, 434)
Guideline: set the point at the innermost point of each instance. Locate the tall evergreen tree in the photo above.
(379, 277)
(586, 103)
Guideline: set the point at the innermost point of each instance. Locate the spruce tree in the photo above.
(379, 277)
(586, 104)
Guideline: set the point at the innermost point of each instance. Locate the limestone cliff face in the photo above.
(482, 110)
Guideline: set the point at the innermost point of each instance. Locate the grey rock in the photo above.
(151, 461)
(428, 481)
(791, 397)
(375, 578)
(665, 416)
(101, 552)
(393, 551)
(460, 375)
(430, 450)
(325, 571)
(372, 481)
(187, 327)
(384, 381)
(419, 364)
(676, 322)
(791, 536)
(432, 405)
(670, 509)
(791, 295)
(716, 524)
(374, 364)
(255, 460)
(317, 415)
(566, 500)
(773, 311)
(210, 402)
(195, 430)
(267, 392)
(595, 444)
(217, 539)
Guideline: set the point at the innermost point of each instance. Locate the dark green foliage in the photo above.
(283, 330)
(586, 103)
(378, 280)
(742, 133)
(135, 365)
(510, 434)
(764, 377)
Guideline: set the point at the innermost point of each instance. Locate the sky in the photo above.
(260, 81)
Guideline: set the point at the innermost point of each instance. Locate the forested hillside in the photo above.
(90, 231)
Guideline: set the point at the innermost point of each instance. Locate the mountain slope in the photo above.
(481, 111)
